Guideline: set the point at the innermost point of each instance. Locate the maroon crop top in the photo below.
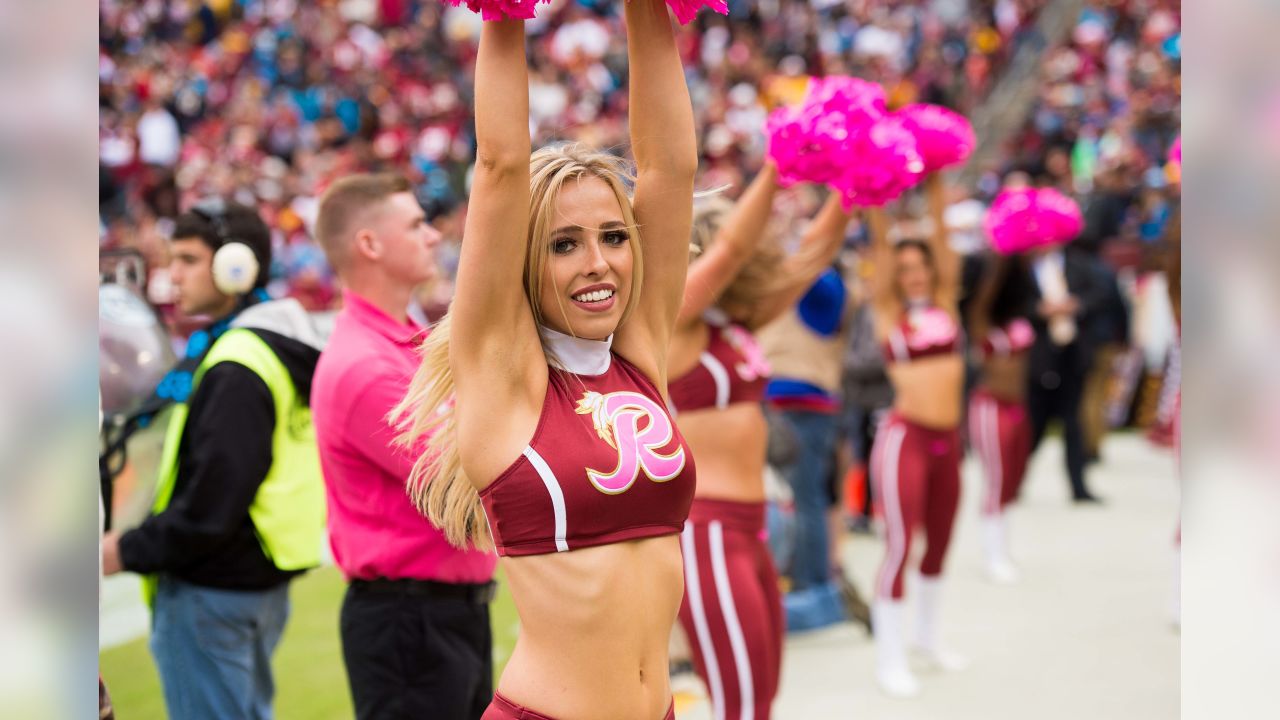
(1015, 338)
(731, 370)
(923, 332)
(606, 464)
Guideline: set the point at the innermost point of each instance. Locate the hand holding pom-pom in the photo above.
(944, 137)
(500, 9)
(883, 162)
(686, 10)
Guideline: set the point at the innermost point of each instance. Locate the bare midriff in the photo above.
(928, 391)
(594, 628)
(729, 445)
(1005, 377)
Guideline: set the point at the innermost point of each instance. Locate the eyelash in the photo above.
(566, 245)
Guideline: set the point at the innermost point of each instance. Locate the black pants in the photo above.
(415, 655)
(1056, 384)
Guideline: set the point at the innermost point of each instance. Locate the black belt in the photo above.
(475, 593)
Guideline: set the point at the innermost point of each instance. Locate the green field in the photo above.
(310, 679)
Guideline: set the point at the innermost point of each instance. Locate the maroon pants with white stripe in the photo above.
(732, 610)
(917, 471)
(1000, 433)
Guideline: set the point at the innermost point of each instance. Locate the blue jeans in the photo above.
(809, 477)
(213, 648)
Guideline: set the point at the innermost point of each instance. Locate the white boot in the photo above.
(1000, 569)
(892, 672)
(927, 643)
(1175, 599)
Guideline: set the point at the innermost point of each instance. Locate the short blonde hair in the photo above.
(344, 202)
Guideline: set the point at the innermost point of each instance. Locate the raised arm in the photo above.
(492, 320)
(884, 298)
(819, 246)
(994, 271)
(945, 260)
(736, 240)
(665, 149)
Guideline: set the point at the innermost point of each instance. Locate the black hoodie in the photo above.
(205, 536)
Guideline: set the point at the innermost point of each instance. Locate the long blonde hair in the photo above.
(438, 486)
(758, 278)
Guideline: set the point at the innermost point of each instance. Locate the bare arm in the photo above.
(818, 249)
(493, 334)
(993, 273)
(715, 269)
(884, 299)
(946, 262)
(663, 141)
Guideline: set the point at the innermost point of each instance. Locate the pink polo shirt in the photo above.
(374, 530)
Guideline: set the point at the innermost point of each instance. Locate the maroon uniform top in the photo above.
(731, 370)
(923, 332)
(1014, 338)
(606, 464)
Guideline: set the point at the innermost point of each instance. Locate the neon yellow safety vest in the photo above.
(288, 513)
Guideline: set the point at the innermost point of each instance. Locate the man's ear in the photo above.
(367, 244)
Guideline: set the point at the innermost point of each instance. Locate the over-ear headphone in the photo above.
(235, 266)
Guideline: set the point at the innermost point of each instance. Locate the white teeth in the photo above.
(594, 296)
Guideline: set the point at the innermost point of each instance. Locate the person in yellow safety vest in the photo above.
(239, 508)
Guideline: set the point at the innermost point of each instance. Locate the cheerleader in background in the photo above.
(917, 452)
(999, 427)
(737, 282)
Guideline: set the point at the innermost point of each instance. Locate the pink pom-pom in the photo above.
(806, 144)
(883, 162)
(944, 137)
(1025, 218)
(1060, 216)
(686, 10)
(500, 9)
(859, 101)
(1175, 152)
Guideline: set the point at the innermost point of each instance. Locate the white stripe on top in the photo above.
(721, 376)
(557, 496)
(898, 344)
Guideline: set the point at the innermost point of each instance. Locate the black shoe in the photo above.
(1087, 499)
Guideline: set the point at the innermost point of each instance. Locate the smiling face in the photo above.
(915, 273)
(587, 278)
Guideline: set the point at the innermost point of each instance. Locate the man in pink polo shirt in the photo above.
(415, 619)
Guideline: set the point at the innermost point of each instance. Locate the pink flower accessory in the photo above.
(883, 162)
(943, 136)
(1025, 218)
(500, 9)
(686, 10)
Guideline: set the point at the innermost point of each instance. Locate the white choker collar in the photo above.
(577, 355)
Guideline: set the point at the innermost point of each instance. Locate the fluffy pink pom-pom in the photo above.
(1025, 218)
(500, 9)
(1012, 221)
(944, 137)
(883, 162)
(859, 101)
(686, 10)
(1175, 152)
(1060, 216)
(806, 144)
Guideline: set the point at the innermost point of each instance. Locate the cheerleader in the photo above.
(732, 612)
(542, 393)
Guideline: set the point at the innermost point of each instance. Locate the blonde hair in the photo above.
(344, 202)
(438, 486)
(757, 279)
